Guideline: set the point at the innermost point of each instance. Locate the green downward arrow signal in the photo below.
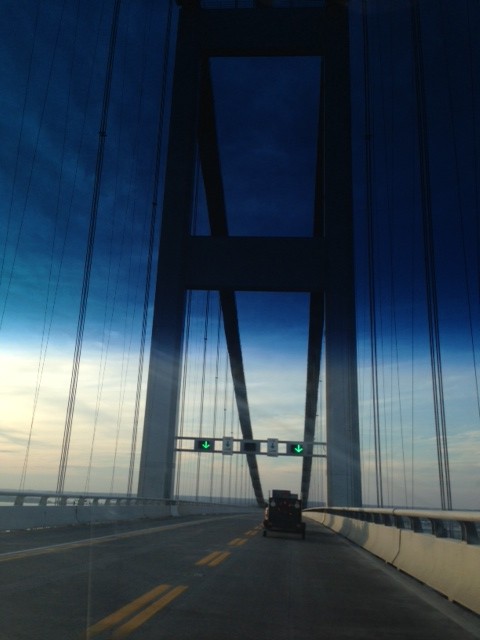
(298, 448)
(206, 444)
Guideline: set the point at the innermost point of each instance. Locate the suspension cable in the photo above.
(224, 421)
(47, 331)
(47, 322)
(107, 325)
(389, 164)
(475, 186)
(232, 414)
(17, 165)
(188, 316)
(151, 240)
(126, 352)
(371, 259)
(202, 386)
(89, 254)
(430, 275)
(215, 393)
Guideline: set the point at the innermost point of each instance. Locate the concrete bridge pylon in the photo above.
(321, 265)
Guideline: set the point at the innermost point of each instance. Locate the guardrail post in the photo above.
(469, 532)
(438, 529)
(416, 524)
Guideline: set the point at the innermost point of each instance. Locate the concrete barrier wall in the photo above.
(206, 508)
(382, 541)
(451, 567)
(14, 518)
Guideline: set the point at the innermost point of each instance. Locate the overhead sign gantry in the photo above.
(269, 447)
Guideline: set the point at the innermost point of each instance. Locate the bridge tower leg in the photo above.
(343, 449)
(322, 264)
(160, 423)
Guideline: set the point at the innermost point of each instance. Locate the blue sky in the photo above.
(52, 68)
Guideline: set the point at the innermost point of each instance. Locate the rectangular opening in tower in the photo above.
(267, 117)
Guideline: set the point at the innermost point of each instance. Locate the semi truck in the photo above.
(284, 513)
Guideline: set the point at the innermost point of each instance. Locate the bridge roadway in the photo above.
(210, 578)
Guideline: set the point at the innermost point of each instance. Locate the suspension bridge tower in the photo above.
(320, 265)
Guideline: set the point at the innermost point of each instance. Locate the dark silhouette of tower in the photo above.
(321, 265)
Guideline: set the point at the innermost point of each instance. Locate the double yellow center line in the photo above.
(237, 542)
(213, 559)
(216, 557)
(124, 621)
(135, 613)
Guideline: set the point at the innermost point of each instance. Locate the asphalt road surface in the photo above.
(210, 578)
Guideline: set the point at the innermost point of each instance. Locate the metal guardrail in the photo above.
(50, 498)
(47, 499)
(458, 525)
(439, 548)
(30, 509)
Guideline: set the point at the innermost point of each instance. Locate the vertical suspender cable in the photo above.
(151, 240)
(224, 421)
(4, 298)
(389, 148)
(430, 276)
(232, 412)
(371, 260)
(202, 389)
(183, 393)
(89, 254)
(476, 208)
(46, 320)
(215, 394)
